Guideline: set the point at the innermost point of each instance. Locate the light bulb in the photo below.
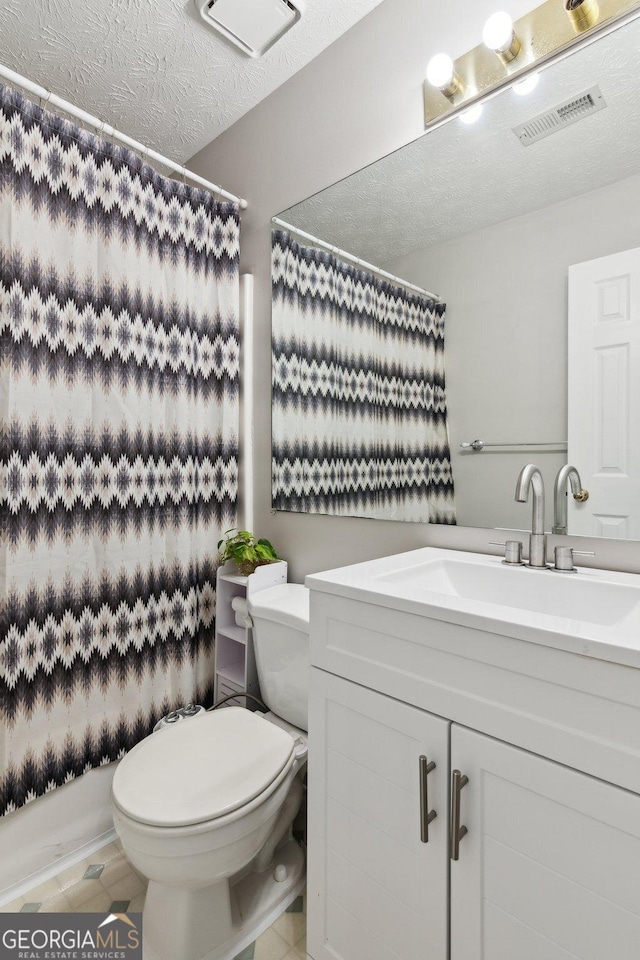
(523, 87)
(499, 36)
(440, 71)
(472, 114)
(498, 32)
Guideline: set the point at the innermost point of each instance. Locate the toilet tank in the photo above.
(281, 644)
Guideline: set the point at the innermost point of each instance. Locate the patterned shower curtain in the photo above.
(359, 409)
(119, 406)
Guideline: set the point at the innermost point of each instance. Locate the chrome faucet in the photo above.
(530, 476)
(565, 473)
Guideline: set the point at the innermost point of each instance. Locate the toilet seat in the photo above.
(203, 769)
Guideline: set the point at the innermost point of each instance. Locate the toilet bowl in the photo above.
(204, 808)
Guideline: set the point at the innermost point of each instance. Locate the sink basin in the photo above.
(595, 613)
(575, 597)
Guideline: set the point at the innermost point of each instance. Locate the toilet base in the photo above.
(257, 898)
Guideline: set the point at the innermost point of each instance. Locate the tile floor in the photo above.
(107, 882)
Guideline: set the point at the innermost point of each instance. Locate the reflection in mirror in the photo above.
(536, 252)
(359, 423)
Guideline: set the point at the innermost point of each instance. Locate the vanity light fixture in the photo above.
(514, 52)
(523, 87)
(441, 74)
(583, 14)
(498, 35)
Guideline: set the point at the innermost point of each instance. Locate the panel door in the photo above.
(550, 866)
(604, 394)
(376, 891)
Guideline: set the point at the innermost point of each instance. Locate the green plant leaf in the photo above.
(241, 546)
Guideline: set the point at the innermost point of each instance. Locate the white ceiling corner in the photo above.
(152, 68)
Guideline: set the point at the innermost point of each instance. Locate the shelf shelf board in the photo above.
(234, 578)
(233, 632)
(234, 672)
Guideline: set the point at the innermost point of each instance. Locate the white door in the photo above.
(604, 394)
(376, 890)
(550, 866)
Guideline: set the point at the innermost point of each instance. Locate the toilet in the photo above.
(204, 807)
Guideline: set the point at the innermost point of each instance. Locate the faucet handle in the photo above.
(512, 551)
(563, 558)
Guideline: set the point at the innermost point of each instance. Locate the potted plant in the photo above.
(245, 550)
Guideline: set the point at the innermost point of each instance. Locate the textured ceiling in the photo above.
(460, 178)
(152, 68)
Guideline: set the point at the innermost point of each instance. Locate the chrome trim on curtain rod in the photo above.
(52, 100)
(343, 254)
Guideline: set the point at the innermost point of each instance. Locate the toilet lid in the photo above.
(201, 768)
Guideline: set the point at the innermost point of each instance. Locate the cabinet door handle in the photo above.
(426, 815)
(458, 781)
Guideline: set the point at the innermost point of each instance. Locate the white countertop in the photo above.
(593, 613)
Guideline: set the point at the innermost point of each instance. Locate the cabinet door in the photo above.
(376, 891)
(550, 866)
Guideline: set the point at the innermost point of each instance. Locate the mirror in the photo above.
(536, 252)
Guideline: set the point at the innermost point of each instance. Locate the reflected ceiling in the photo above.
(429, 191)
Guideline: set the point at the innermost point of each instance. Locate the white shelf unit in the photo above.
(235, 662)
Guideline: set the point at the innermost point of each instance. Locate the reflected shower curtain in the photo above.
(359, 408)
(119, 404)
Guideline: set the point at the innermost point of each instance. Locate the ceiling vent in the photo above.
(252, 25)
(564, 115)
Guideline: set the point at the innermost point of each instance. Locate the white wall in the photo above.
(506, 336)
(360, 99)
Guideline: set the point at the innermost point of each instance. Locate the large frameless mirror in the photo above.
(511, 332)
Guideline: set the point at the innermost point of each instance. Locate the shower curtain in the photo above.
(119, 405)
(359, 408)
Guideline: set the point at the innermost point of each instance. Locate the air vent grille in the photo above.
(252, 25)
(559, 117)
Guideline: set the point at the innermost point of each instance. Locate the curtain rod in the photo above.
(52, 100)
(349, 256)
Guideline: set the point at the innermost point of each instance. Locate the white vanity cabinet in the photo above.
(550, 866)
(549, 741)
(549, 863)
(377, 883)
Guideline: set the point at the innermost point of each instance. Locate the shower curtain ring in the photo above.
(103, 133)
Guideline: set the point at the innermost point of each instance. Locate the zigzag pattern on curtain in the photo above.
(61, 484)
(119, 447)
(359, 402)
